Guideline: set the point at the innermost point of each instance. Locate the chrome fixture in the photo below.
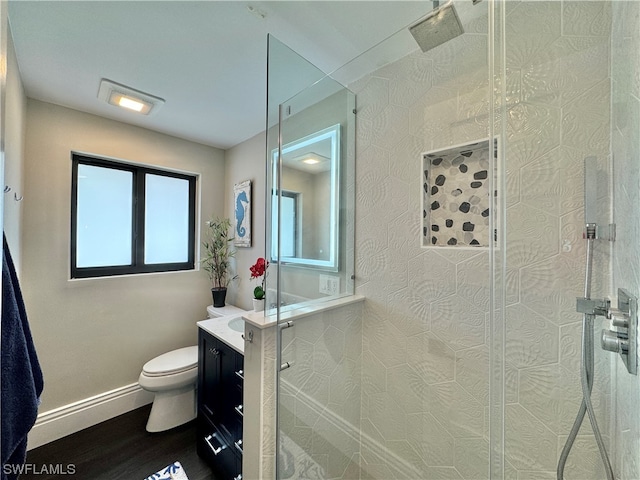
(248, 337)
(281, 327)
(439, 26)
(623, 339)
(590, 309)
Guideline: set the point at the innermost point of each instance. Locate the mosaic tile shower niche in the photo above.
(455, 199)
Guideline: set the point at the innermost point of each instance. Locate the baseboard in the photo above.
(62, 421)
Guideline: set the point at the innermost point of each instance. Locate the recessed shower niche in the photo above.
(456, 195)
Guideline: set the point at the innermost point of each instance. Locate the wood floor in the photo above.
(119, 449)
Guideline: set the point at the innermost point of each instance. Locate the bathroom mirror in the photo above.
(308, 180)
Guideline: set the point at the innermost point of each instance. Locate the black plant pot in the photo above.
(219, 294)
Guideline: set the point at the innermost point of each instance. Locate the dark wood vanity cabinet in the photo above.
(220, 383)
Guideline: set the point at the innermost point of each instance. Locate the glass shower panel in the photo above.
(319, 392)
(287, 75)
(315, 187)
(425, 165)
(399, 387)
(625, 141)
(555, 108)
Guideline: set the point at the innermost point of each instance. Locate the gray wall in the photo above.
(15, 112)
(247, 161)
(94, 335)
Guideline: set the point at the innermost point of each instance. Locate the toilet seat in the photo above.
(170, 363)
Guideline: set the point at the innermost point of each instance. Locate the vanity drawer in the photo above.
(223, 456)
(220, 406)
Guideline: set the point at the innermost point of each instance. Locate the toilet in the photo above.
(172, 378)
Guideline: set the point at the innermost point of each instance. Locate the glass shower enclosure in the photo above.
(458, 217)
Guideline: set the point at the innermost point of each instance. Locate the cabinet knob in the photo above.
(210, 438)
(240, 373)
(238, 445)
(214, 351)
(238, 409)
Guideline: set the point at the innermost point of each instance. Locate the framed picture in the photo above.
(242, 215)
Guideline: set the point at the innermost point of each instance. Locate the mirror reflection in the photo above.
(309, 200)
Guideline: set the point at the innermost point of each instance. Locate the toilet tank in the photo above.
(216, 312)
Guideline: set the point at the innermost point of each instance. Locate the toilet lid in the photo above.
(175, 361)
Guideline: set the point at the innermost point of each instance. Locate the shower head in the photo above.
(438, 27)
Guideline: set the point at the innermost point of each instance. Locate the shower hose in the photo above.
(586, 377)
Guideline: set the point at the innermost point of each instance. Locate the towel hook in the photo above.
(7, 189)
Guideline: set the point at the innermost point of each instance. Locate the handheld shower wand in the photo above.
(586, 359)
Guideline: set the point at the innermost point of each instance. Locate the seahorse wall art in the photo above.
(242, 195)
(241, 201)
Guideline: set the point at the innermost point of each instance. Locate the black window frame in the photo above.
(138, 219)
(295, 196)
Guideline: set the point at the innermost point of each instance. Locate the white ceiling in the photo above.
(207, 59)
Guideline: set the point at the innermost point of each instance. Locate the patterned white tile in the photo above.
(550, 288)
(564, 69)
(585, 120)
(529, 445)
(532, 236)
(472, 278)
(373, 159)
(458, 412)
(431, 358)
(586, 18)
(472, 457)
(428, 286)
(432, 442)
(532, 131)
(552, 394)
(519, 21)
(430, 117)
(372, 98)
(472, 371)
(374, 377)
(412, 76)
(328, 352)
(531, 339)
(389, 420)
(386, 342)
(458, 322)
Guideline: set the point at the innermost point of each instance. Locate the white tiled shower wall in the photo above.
(625, 75)
(425, 360)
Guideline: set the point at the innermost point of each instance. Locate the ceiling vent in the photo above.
(129, 98)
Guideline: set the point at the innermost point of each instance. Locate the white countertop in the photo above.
(219, 328)
(292, 312)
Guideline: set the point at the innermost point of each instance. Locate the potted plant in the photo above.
(259, 270)
(217, 250)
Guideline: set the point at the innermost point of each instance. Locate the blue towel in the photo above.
(22, 381)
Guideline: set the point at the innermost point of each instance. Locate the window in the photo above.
(289, 214)
(128, 218)
(289, 231)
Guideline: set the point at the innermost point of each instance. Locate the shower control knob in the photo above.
(620, 320)
(612, 342)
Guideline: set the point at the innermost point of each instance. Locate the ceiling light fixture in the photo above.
(310, 161)
(126, 97)
(310, 158)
